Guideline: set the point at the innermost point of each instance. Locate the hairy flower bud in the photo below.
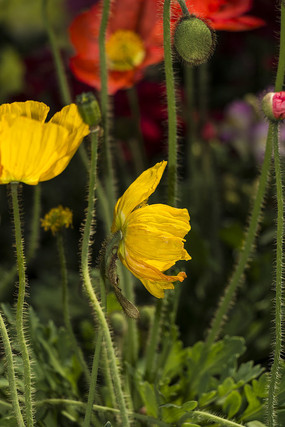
(194, 40)
(89, 109)
(273, 105)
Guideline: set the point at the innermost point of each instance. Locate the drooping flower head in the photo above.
(32, 150)
(225, 15)
(134, 40)
(152, 236)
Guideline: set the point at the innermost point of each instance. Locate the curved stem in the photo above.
(184, 7)
(281, 61)
(274, 374)
(62, 80)
(20, 306)
(171, 107)
(104, 101)
(153, 342)
(216, 419)
(65, 303)
(247, 248)
(145, 418)
(85, 257)
(60, 71)
(93, 381)
(11, 374)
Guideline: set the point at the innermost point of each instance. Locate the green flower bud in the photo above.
(194, 40)
(119, 323)
(89, 109)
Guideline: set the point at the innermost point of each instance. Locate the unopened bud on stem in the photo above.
(194, 40)
(273, 105)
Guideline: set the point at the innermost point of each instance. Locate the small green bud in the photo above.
(119, 323)
(146, 316)
(194, 40)
(89, 109)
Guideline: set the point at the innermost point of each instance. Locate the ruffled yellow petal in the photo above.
(33, 151)
(137, 193)
(31, 109)
(70, 118)
(143, 270)
(29, 149)
(153, 280)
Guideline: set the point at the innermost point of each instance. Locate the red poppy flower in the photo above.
(134, 40)
(226, 15)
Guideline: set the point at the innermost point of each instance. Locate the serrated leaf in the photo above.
(260, 386)
(247, 372)
(172, 413)
(226, 386)
(149, 398)
(253, 402)
(232, 403)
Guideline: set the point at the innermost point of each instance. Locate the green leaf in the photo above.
(260, 386)
(172, 413)
(207, 398)
(232, 403)
(226, 386)
(253, 402)
(246, 373)
(255, 424)
(149, 398)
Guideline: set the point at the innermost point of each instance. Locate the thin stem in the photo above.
(274, 375)
(65, 304)
(171, 107)
(93, 381)
(216, 419)
(142, 417)
(35, 223)
(61, 75)
(60, 70)
(138, 149)
(184, 7)
(153, 342)
(20, 306)
(104, 100)
(11, 374)
(85, 257)
(235, 280)
(281, 61)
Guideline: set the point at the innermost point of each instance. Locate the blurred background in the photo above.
(233, 134)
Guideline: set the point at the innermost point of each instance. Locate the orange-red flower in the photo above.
(226, 15)
(134, 40)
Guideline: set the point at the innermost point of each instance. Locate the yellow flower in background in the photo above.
(152, 236)
(32, 150)
(56, 219)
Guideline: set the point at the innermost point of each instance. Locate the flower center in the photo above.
(125, 50)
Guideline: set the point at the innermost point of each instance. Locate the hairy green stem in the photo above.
(145, 418)
(281, 61)
(60, 70)
(171, 107)
(93, 381)
(153, 342)
(65, 304)
(85, 259)
(274, 374)
(104, 101)
(236, 278)
(137, 144)
(184, 7)
(11, 374)
(216, 419)
(20, 306)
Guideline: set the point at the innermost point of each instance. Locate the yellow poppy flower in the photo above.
(32, 150)
(152, 236)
